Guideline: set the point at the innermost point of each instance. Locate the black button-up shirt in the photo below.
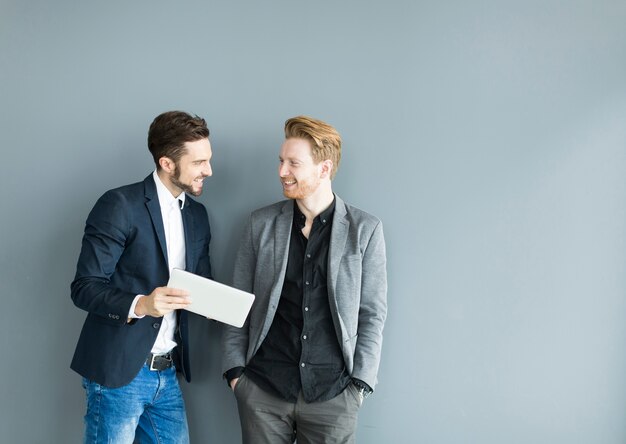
(301, 350)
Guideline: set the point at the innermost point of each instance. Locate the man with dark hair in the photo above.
(309, 352)
(135, 335)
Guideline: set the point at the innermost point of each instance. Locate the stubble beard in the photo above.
(186, 188)
(302, 190)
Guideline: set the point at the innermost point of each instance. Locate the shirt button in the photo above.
(302, 365)
(306, 308)
(307, 282)
(156, 325)
(309, 256)
(304, 337)
(323, 221)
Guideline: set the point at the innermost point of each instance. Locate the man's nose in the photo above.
(282, 170)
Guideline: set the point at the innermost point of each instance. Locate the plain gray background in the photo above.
(489, 136)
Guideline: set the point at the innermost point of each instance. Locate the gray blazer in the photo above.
(357, 284)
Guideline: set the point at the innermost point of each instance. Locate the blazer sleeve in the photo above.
(372, 309)
(235, 341)
(106, 232)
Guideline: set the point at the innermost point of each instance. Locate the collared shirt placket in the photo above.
(307, 280)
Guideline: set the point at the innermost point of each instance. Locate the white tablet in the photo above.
(212, 299)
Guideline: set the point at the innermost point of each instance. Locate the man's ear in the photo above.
(167, 164)
(327, 168)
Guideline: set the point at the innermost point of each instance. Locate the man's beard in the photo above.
(186, 188)
(302, 190)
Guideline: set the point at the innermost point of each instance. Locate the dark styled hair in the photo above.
(169, 132)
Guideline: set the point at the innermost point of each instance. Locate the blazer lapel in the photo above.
(190, 262)
(282, 235)
(338, 238)
(152, 203)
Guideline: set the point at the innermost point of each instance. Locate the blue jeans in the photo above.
(150, 409)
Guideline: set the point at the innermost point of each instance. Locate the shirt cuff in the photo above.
(131, 312)
(233, 373)
(361, 384)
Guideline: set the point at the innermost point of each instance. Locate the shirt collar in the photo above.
(165, 197)
(324, 217)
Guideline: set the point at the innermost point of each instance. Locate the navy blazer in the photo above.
(124, 254)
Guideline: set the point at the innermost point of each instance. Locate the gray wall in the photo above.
(489, 136)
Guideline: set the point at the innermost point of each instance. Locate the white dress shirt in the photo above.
(175, 240)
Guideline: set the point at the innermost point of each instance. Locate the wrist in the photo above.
(364, 389)
(232, 374)
(137, 309)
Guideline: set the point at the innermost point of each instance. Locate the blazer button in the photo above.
(156, 325)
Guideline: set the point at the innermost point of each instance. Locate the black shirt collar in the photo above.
(324, 217)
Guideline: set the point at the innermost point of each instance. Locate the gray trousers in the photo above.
(267, 419)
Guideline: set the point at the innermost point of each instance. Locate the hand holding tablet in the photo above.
(212, 299)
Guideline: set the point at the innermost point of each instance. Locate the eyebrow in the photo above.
(291, 159)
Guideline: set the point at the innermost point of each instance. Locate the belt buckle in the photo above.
(153, 358)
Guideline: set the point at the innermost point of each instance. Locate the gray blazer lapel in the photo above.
(282, 235)
(152, 203)
(338, 238)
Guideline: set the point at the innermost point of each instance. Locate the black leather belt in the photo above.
(159, 362)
